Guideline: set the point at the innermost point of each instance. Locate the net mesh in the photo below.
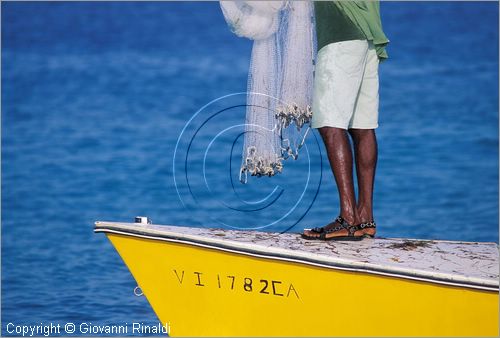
(280, 80)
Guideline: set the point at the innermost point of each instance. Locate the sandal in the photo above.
(369, 225)
(351, 229)
(320, 230)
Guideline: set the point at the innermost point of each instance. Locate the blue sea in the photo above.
(112, 110)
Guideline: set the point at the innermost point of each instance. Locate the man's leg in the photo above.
(340, 156)
(362, 129)
(339, 152)
(365, 149)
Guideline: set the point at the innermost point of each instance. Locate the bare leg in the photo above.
(340, 156)
(365, 149)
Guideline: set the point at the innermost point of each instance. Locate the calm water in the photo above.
(95, 96)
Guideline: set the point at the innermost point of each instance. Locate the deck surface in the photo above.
(470, 263)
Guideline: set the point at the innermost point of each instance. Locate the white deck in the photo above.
(468, 264)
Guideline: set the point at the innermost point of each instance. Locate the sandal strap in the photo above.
(352, 230)
(366, 225)
(322, 230)
(329, 231)
(318, 230)
(343, 225)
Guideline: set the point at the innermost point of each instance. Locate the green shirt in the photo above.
(350, 20)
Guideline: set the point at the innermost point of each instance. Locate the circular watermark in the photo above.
(207, 171)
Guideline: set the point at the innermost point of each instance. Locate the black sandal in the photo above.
(351, 229)
(369, 225)
(320, 230)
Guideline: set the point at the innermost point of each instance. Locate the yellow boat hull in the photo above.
(201, 291)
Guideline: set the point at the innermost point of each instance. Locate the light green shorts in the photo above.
(346, 86)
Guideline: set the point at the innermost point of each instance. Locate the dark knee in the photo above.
(331, 132)
(361, 133)
(367, 162)
(365, 144)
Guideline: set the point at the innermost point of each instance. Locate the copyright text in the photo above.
(48, 329)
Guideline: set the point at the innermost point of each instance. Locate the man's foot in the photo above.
(315, 233)
(339, 229)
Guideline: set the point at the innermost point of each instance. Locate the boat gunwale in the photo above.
(136, 230)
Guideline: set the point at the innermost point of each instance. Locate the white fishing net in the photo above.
(280, 80)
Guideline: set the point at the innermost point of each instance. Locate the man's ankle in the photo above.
(364, 214)
(349, 218)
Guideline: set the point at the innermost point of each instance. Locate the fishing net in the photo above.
(280, 80)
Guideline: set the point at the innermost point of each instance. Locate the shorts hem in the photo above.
(327, 124)
(375, 126)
